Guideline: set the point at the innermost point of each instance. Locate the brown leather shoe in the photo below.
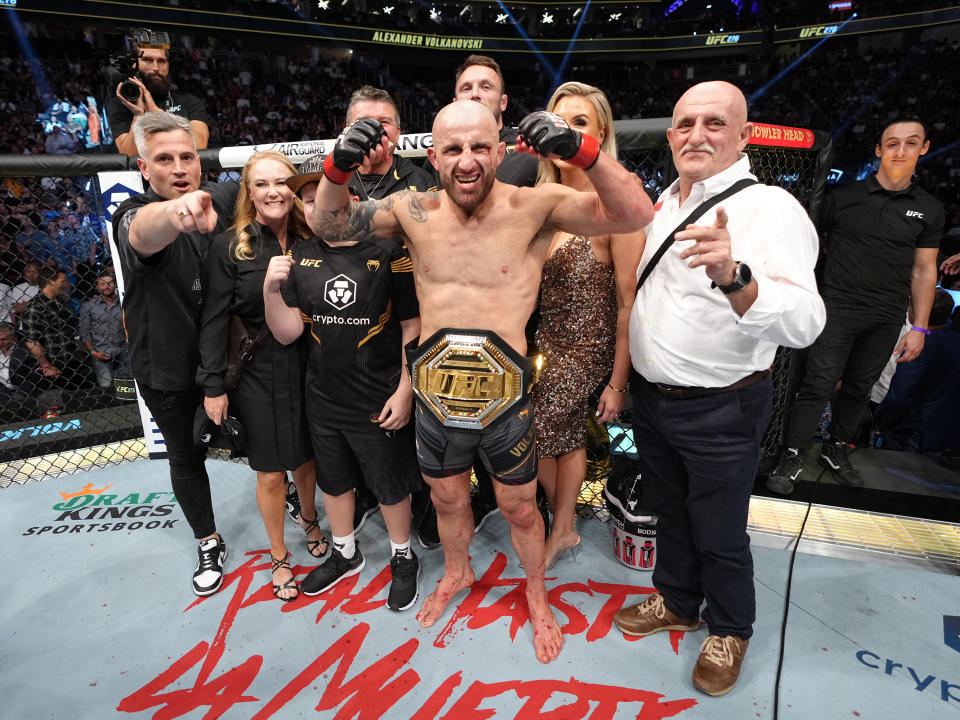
(718, 668)
(651, 616)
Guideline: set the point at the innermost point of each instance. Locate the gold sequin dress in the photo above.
(577, 337)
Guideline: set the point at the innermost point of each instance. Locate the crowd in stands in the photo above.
(260, 98)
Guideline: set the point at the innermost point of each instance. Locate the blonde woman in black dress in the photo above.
(586, 294)
(269, 399)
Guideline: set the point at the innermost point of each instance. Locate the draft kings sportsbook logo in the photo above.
(92, 509)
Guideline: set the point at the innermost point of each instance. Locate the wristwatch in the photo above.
(741, 279)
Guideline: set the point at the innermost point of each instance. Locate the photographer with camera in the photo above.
(144, 85)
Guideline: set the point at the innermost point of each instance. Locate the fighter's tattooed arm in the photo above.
(416, 208)
(359, 221)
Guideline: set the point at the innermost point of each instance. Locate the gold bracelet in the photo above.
(616, 389)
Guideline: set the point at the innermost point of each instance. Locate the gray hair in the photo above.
(368, 92)
(155, 122)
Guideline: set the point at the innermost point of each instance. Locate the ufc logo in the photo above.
(915, 213)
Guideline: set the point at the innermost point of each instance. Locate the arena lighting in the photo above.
(323, 4)
(36, 67)
(547, 18)
(387, 9)
(759, 93)
(501, 18)
(558, 76)
(946, 148)
(527, 39)
(615, 16)
(673, 7)
(434, 14)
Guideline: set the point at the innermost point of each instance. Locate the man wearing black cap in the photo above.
(361, 305)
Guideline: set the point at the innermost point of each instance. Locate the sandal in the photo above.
(291, 584)
(313, 545)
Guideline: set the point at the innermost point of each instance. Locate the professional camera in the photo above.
(123, 67)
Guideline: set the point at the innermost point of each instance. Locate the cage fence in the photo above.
(67, 404)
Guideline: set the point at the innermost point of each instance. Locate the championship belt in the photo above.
(468, 378)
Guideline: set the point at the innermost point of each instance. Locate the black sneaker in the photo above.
(428, 535)
(335, 569)
(208, 577)
(834, 456)
(364, 506)
(406, 576)
(482, 511)
(786, 472)
(293, 502)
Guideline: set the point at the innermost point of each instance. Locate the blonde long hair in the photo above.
(245, 213)
(547, 171)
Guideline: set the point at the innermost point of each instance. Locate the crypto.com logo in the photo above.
(341, 292)
(114, 195)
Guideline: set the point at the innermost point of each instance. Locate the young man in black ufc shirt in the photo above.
(359, 304)
(881, 236)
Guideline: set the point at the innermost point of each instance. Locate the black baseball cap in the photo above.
(311, 170)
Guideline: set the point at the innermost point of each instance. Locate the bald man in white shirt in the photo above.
(736, 283)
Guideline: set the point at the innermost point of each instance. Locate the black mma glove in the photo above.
(354, 144)
(548, 134)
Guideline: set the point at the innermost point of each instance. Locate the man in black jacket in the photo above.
(479, 78)
(162, 237)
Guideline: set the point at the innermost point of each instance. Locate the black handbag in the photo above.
(241, 347)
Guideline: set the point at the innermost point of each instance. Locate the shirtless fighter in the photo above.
(477, 248)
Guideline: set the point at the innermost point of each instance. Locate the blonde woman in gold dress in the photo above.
(586, 294)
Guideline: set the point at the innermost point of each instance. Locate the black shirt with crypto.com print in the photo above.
(352, 299)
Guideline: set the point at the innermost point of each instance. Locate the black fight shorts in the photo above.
(508, 448)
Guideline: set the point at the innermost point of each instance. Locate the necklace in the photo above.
(369, 193)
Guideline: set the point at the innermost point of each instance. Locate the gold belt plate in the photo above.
(467, 381)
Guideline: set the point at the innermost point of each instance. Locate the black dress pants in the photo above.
(853, 348)
(698, 457)
(174, 413)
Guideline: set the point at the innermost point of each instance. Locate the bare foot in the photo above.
(437, 601)
(557, 545)
(547, 638)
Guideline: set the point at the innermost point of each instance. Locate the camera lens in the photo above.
(130, 91)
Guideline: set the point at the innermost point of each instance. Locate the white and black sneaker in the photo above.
(293, 502)
(627, 509)
(335, 569)
(404, 589)
(208, 577)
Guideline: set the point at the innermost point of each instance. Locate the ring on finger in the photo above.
(182, 213)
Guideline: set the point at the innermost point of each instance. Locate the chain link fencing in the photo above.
(80, 410)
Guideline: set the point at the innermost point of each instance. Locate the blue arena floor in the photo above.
(99, 621)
